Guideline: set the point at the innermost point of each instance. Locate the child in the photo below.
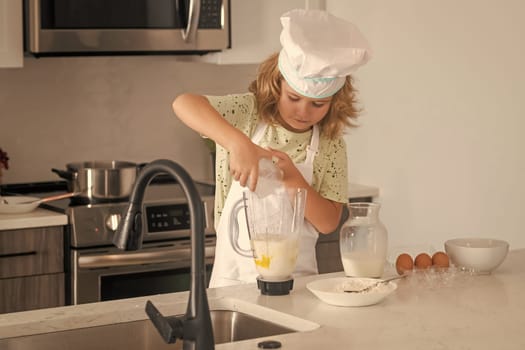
(295, 114)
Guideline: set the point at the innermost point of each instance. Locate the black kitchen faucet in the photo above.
(195, 326)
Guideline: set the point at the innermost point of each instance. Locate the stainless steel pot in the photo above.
(100, 180)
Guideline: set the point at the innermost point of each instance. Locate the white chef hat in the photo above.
(318, 51)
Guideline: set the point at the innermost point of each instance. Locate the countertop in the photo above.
(429, 310)
(37, 218)
(43, 217)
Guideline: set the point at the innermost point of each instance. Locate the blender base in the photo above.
(274, 287)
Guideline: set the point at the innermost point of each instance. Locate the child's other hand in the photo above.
(292, 177)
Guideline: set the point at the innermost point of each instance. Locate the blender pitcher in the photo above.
(273, 224)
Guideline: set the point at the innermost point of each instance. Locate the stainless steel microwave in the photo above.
(85, 27)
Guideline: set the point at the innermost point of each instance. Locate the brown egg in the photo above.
(440, 259)
(404, 263)
(422, 261)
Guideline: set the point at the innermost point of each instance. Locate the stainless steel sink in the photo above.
(232, 320)
(228, 326)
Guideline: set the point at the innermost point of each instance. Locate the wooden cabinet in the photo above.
(11, 34)
(31, 269)
(33, 292)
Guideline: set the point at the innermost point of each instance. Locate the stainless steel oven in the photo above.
(98, 271)
(107, 273)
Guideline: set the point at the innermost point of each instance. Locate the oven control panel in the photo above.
(168, 217)
(171, 218)
(94, 225)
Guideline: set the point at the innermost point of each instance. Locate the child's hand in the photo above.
(244, 163)
(292, 177)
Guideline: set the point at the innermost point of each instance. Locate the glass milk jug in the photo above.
(363, 241)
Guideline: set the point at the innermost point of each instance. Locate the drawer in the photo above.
(33, 292)
(34, 251)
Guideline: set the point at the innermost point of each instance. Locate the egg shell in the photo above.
(404, 263)
(422, 261)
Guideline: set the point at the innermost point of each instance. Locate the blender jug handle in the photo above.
(234, 229)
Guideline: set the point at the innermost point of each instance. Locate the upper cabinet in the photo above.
(11, 35)
(256, 27)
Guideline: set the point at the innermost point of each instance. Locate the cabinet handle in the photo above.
(10, 255)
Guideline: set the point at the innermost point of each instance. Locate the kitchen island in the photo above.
(429, 310)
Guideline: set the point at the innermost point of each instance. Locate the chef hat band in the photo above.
(319, 51)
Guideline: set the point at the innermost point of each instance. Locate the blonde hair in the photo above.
(267, 90)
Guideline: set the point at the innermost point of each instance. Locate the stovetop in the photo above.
(160, 189)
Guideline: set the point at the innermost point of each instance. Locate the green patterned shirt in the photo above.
(330, 178)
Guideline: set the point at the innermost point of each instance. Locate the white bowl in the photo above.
(332, 291)
(477, 255)
(18, 204)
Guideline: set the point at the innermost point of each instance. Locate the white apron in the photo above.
(230, 268)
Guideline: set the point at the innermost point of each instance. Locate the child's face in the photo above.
(299, 113)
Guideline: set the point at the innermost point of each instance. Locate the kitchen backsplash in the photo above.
(65, 109)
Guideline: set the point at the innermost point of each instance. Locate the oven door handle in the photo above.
(139, 258)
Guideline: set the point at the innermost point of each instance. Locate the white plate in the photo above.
(331, 291)
(18, 204)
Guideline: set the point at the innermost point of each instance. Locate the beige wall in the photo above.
(443, 131)
(60, 110)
